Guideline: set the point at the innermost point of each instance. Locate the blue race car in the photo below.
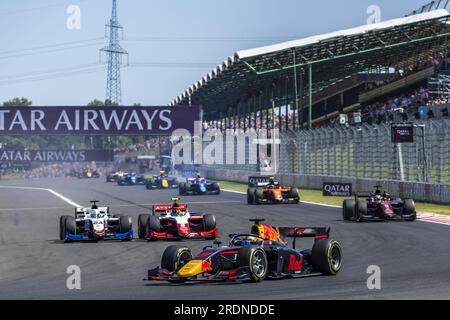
(94, 224)
(198, 186)
(131, 179)
(161, 181)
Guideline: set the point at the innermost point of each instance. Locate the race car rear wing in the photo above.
(162, 208)
(258, 181)
(305, 232)
(301, 232)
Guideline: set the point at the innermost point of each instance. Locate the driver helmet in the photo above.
(177, 212)
(92, 214)
(198, 175)
(378, 198)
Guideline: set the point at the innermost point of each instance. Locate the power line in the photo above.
(206, 39)
(49, 51)
(61, 44)
(55, 76)
(173, 64)
(48, 6)
(48, 71)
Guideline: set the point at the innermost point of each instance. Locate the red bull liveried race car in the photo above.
(378, 206)
(262, 253)
(175, 222)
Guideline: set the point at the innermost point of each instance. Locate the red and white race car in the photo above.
(174, 221)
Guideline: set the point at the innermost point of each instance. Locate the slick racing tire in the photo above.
(182, 189)
(125, 224)
(409, 210)
(250, 195)
(348, 209)
(255, 259)
(215, 188)
(258, 196)
(327, 256)
(209, 222)
(70, 225)
(142, 225)
(361, 209)
(176, 257)
(153, 224)
(295, 195)
(62, 227)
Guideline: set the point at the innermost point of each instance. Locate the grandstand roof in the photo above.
(350, 51)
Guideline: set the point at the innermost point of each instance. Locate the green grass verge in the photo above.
(316, 196)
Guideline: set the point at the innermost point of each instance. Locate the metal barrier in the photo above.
(359, 152)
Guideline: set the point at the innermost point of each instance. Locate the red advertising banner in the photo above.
(16, 156)
(402, 133)
(97, 120)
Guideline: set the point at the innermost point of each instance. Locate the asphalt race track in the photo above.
(414, 257)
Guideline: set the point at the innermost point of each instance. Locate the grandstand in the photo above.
(305, 82)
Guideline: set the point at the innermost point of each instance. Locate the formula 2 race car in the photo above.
(161, 181)
(255, 256)
(130, 179)
(265, 190)
(198, 186)
(93, 224)
(378, 206)
(175, 222)
(114, 176)
(84, 173)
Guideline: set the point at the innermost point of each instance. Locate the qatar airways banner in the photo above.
(97, 120)
(16, 156)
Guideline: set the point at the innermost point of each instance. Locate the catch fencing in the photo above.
(365, 152)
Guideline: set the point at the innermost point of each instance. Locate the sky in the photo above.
(171, 43)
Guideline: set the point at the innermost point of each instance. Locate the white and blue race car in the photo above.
(93, 224)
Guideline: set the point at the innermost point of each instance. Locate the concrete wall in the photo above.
(437, 193)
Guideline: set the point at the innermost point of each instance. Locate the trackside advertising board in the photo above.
(97, 120)
(253, 181)
(56, 155)
(337, 189)
(402, 133)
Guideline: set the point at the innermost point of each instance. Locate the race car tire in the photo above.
(125, 224)
(258, 196)
(409, 209)
(255, 259)
(142, 225)
(209, 222)
(70, 225)
(153, 224)
(216, 188)
(250, 195)
(326, 256)
(182, 188)
(62, 227)
(149, 184)
(361, 209)
(174, 258)
(295, 195)
(348, 209)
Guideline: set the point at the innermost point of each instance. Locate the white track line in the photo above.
(65, 199)
(421, 216)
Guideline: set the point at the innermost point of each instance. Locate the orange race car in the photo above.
(265, 190)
